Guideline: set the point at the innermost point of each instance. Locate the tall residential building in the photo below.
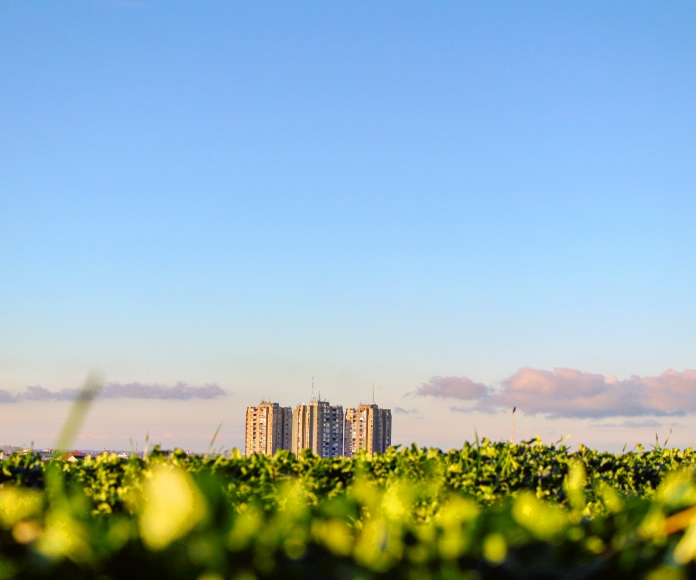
(319, 427)
(368, 427)
(268, 428)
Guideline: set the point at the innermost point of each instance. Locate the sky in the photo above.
(472, 206)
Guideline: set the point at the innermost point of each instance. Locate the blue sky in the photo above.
(249, 195)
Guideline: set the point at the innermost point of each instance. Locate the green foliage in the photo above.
(487, 510)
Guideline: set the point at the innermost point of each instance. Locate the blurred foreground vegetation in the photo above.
(488, 510)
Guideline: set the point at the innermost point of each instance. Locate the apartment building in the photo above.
(367, 427)
(319, 427)
(268, 428)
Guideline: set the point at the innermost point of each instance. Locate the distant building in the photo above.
(369, 428)
(47, 454)
(73, 456)
(44, 454)
(319, 427)
(9, 449)
(268, 428)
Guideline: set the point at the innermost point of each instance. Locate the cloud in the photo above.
(402, 411)
(565, 392)
(646, 424)
(179, 392)
(7, 397)
(37, 393)
(452, 388)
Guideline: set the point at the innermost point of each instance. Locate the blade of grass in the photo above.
(90, 389)
(212, 441)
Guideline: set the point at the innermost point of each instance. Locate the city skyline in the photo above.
(471, 206)
(320, 427)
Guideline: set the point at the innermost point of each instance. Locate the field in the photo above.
(487, 510)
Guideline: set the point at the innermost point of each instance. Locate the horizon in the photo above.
(465, 207)
(662, 433)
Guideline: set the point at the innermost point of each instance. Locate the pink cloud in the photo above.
(564, 392)
(573, 393)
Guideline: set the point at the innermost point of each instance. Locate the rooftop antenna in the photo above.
(312, 388)
(373, 394)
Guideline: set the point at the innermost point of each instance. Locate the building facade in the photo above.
(319, 427)
(268, 428)
(367, 427)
